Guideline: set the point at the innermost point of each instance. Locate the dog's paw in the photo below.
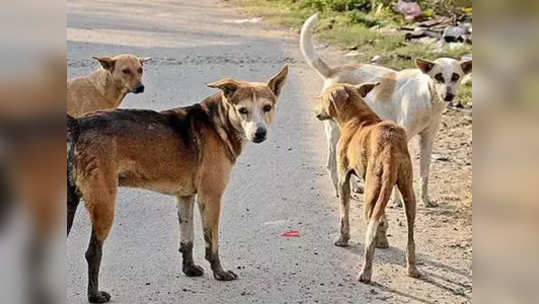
(382, 243)
(396, 203)
(358, 189)
(429, 203)
(225, 276)
(413, 272)
(193, 270)
(365, 277)
(341, 242)
(100, 297)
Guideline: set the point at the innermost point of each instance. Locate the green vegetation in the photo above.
(368, 25)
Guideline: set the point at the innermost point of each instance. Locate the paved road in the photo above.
(276, 186)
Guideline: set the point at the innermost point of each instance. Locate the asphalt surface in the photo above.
(276, 186)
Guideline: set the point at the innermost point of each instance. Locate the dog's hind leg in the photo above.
(405, 185)
(426, 141)
(332, 136)
(344, 209)
(370, 245)
(378, 189)
(369, 199)
(185, 218)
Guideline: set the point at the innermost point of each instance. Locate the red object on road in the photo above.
(291, 233)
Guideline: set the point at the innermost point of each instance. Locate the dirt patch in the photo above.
(451, 169)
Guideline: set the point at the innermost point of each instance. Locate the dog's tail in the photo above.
(73, 130)
(378, 191)
(73, 194)
(307, 48)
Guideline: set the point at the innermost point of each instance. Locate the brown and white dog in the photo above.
(414, 99)
(376, 151)
(105, 88)
(185, 152)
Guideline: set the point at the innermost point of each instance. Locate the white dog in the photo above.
(413, 98)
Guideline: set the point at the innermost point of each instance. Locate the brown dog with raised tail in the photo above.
(376, 151)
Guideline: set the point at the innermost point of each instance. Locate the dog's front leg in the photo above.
(344, 207)
(93, 257)
(332, 135)
(185, 218)
(426, 142)
(210, 207)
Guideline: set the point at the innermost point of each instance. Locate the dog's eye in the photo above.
(243, 111)
(266, 108)
(139, 70)
(439, 77)
(455, 77)
(126, 71)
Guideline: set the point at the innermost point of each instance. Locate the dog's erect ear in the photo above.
(144, 59)
(339, 95)
(424, 65)
(466, 66)
(276, 82)
(364, 88)
(227, 85)
(106, 62)
(337, 98)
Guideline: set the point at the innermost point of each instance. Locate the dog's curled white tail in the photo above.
(307, 48)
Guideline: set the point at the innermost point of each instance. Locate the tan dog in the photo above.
(185, 152)
(105, 88)
(376, 151)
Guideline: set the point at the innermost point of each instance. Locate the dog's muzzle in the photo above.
(449, 97)
(260, 135)
(139, 88)
(321, 116)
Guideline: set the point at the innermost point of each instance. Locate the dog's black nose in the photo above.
(260, 133)
(449, 97)
(139, 88)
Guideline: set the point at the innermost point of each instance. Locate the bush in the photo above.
(444, 7)
(362, 18)
(334, 5)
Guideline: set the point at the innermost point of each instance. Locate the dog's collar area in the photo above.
(233, 139)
